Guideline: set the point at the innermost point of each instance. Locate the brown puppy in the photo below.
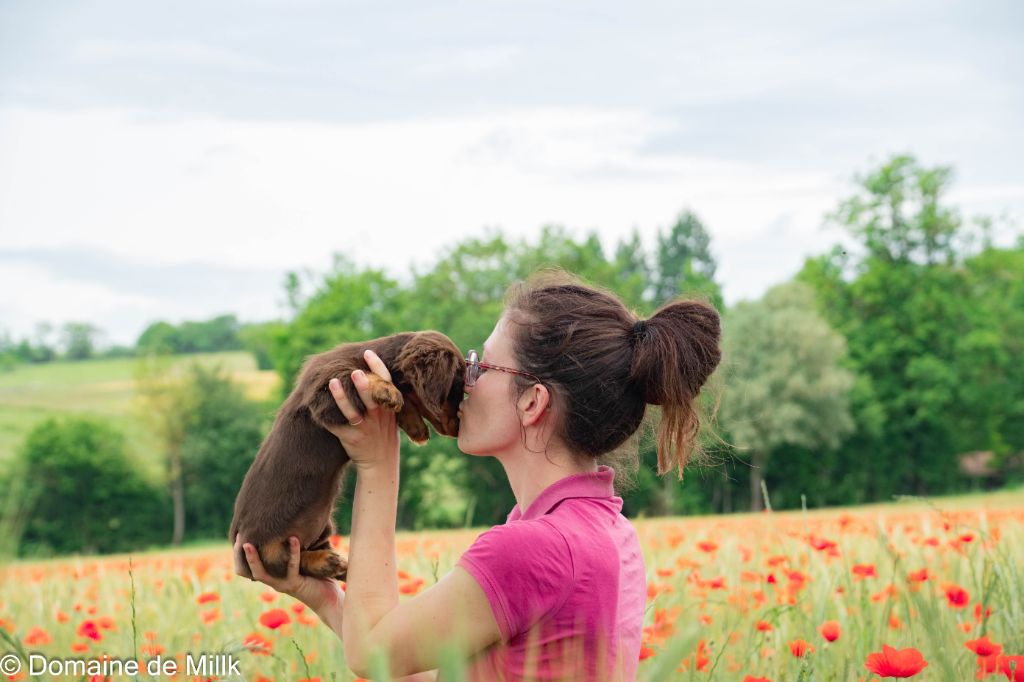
(292, 485)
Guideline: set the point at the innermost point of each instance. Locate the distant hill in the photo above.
(105, 388)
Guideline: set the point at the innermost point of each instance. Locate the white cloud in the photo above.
(167, 52)
(282, 196)
(30, 294)
(289, 195)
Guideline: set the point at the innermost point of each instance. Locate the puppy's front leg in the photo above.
(324, 409)
(411, 421)
(384, 393)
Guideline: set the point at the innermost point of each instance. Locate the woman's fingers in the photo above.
(293, 559)
(292, 580)
(362, 382)
(363, 387)
(256, 564)
(348, 410)
(376, 365)
(235, 556)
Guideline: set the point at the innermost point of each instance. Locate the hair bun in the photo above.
(677, 351)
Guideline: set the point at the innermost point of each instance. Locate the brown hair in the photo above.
(604, 365)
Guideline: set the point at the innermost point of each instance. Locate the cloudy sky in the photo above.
(173, 160)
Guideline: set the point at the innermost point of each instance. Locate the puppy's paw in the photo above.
(385, 394)
(412, 423)
(323, 563)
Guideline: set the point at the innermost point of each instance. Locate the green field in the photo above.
(106, 389)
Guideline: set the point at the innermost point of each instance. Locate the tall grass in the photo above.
(711, 581)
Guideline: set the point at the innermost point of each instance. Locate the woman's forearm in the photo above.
(372, 583)
(332, 615)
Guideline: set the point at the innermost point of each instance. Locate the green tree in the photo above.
(162, 405)
(159, 337)
(85, 493)
(222, 432)
(785, 383)
(79, 340)
(909, 309)
(685, 265)
(258, 340)
(989, 358)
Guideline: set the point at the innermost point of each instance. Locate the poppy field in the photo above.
(911, 590)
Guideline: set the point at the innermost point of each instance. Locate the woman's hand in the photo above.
(371, 440)
(323, 595)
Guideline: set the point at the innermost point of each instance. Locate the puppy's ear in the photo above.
(431, 368)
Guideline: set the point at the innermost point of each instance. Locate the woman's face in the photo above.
(489, 423)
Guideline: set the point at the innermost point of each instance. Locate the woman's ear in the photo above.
(534, 404)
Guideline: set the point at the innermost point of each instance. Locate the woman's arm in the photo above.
(371, 441)
(412, 636)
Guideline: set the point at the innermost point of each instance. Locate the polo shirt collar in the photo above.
(599, 483)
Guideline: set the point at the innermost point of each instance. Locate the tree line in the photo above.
(75, 341)
(879, 369)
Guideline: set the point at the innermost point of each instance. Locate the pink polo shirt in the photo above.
(566, 583)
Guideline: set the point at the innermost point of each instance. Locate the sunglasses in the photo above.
(474, 368)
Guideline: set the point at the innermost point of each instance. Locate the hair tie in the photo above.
(640, 328)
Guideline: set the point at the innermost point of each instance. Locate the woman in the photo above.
(558, 591)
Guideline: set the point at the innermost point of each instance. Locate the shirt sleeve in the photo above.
(525, 568)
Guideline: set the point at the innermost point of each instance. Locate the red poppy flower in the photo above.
(274, 618)
(1017, 672)
(918, 576)
(701, 657)
(987, 664)
(957, 596)
(258, 644)
(646, 652)
(751, 678)
(821, 544)
(411, 587)
(763, 626)
(800, 648)
(88, 629)
(37, 636)
(861, 571)
(983, 646)
(207, 597)
(829, 630)
(896, 662)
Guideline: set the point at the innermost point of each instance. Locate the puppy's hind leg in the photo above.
(323, 563)
(274, 555)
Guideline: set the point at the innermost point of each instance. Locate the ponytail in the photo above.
(674, 353)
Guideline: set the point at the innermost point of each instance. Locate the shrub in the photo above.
(82, 493)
